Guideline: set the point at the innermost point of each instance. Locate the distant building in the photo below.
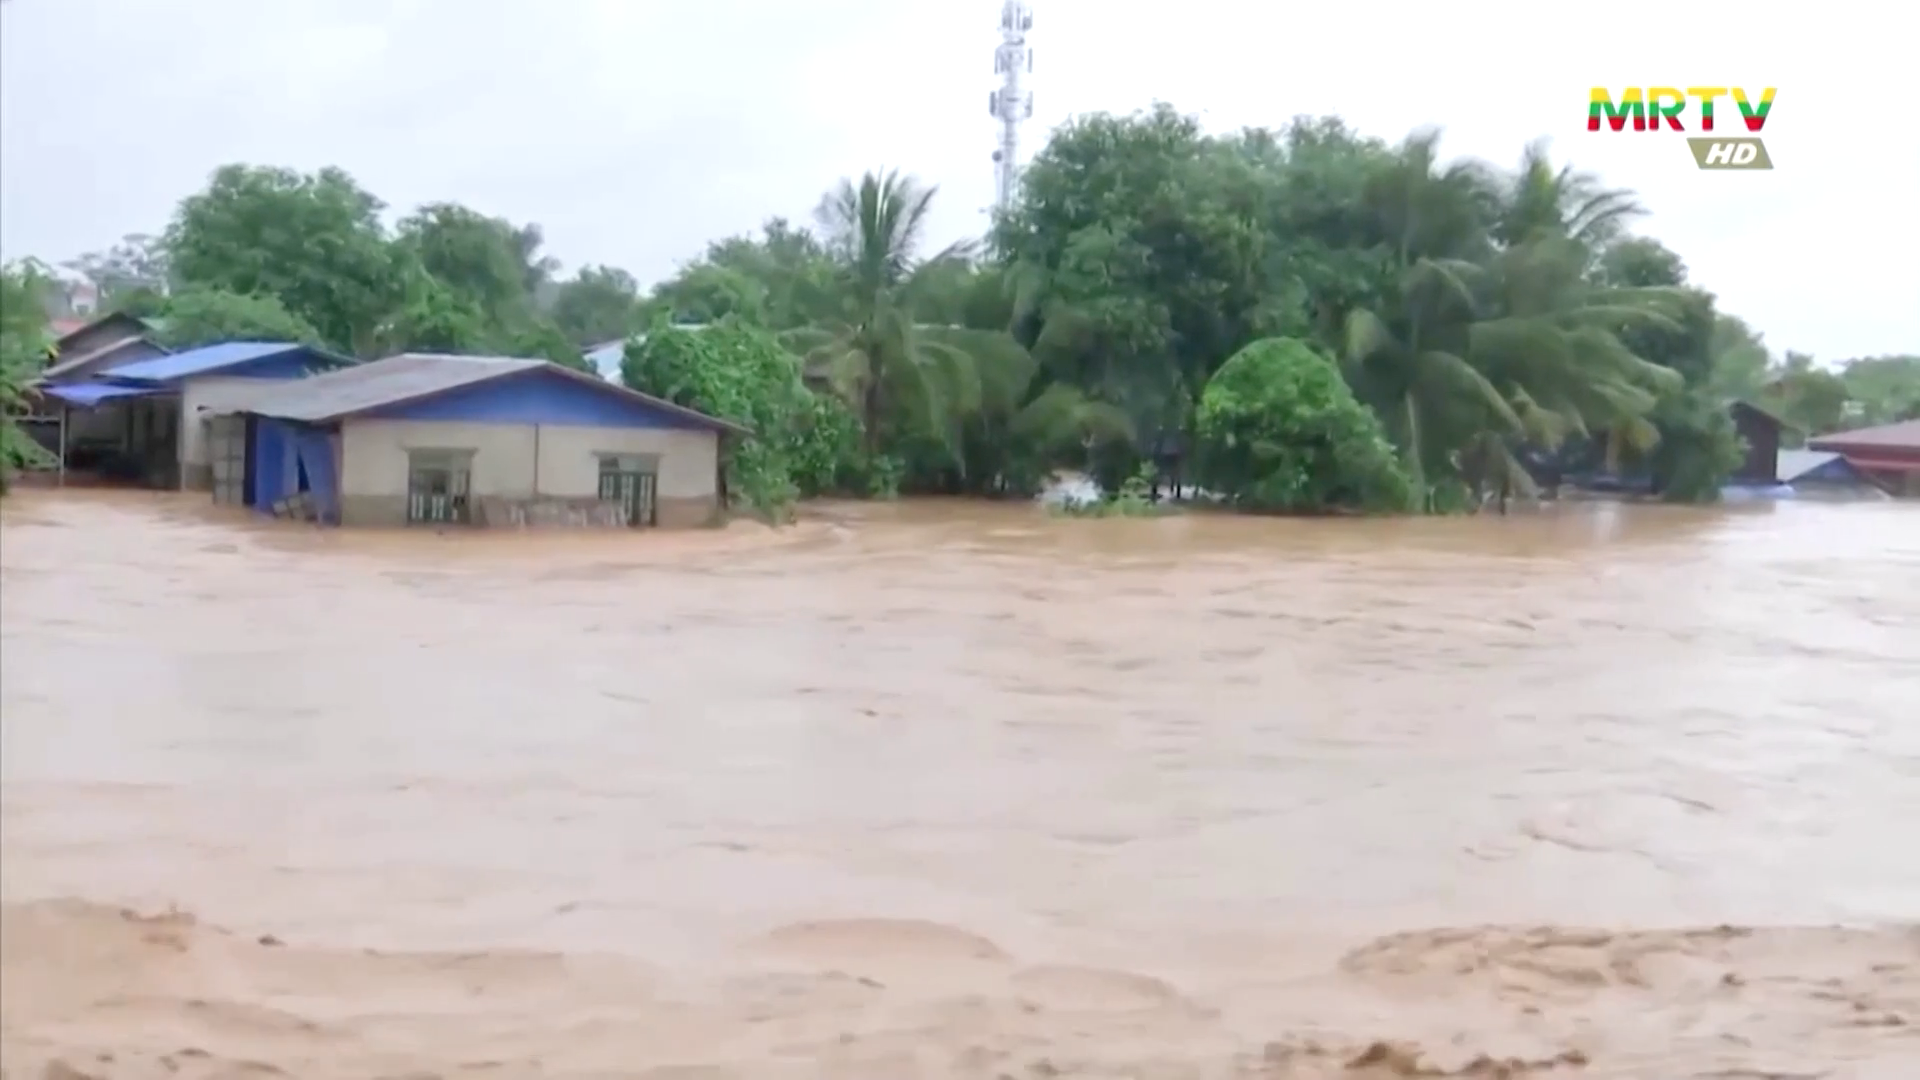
(1761, 431)
(1889, 454)
(1584, 466)
(1824, 473)
(98, 344)
(71, 299)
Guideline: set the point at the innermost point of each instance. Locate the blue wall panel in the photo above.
(538, 397)
(274, 468)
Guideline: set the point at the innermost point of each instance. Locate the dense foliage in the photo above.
(1278, 430)
(740, 372)
(23, 350)
(1492, 325)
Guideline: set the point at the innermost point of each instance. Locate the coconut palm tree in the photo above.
(1538, 199)
(888, 364)
(1495, 343)
(1409, 359)
(1548, 339)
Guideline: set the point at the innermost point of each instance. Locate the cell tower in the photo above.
(1012, 104)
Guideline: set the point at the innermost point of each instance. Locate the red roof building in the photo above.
(1890, 454)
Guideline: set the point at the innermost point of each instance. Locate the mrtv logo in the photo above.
(1667, 109)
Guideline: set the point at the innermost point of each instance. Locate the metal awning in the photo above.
(87, 395)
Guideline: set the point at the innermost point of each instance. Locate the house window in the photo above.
(438, 486)
(630, 481)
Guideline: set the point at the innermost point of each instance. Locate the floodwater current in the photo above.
(953, 790)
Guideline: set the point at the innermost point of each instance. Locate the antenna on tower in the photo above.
(1012, 104)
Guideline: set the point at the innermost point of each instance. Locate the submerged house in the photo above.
(1585, 466)
(1825, 474)
(431, 439)
(1761, 433)
(1889, 454)
(143, 419)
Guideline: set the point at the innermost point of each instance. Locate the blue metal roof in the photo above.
(88, 394)
(209, 360)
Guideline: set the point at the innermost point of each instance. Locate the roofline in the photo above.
(327, 354)
(582, 377)
(1850, 448)
(1852, 433)
(593, 379)
(108, 317)
(60, 367)
(1769, 414)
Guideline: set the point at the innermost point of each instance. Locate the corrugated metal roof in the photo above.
(1904, 435)
(410, 377)
(407, 377)
(74, 363)
(133, 324)
(210, 360)
(88, 394)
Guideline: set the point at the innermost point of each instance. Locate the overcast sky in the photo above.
(634, 131)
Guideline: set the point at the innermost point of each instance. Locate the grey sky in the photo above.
(634, 131)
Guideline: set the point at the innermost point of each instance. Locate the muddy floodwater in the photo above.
(950, 790)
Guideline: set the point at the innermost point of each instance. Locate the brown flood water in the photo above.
(945, 790)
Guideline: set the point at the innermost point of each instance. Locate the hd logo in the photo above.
(1730, 153)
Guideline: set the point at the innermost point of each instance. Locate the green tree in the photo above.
(1140, 245)
(1561, 202)
(1882, 389)
(1697, 445)
(706, 292)
(1740, 359)
(782, 278)
(137, 263)
(536, 269)
(1278, 430)
(195, 317)
(900, 376)
(541, 337)
(432, 317)
(24, 346)
(475, 256)
(313, 241)
(600, 303)
(1810, 398)
(1409, 358)
(740, 372)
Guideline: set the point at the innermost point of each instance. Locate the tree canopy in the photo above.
(1156, 294)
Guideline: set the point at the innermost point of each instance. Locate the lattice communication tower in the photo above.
(1012, 103)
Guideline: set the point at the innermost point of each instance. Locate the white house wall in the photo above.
(200, 399)
(524, 462)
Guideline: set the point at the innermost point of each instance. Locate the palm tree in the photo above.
(1548, 338)
(1409, 361)
(887, 364)
(1539, 199)
(1500, 338)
